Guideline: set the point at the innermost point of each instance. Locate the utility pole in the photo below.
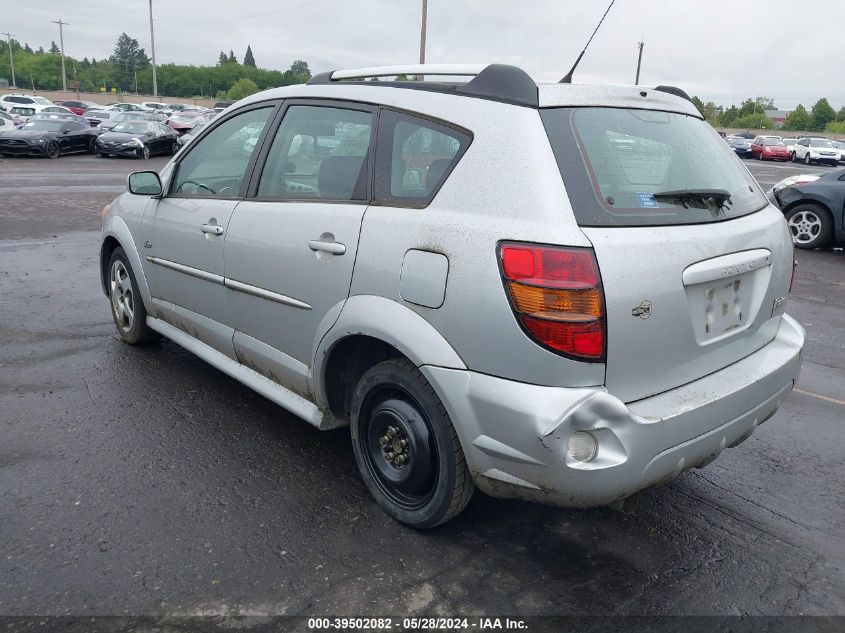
(9, 36)
(422, 30)
(639, 63)
(62, 48)
(153, 50)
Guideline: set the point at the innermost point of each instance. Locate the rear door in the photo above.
(690, 285)
(291, 244)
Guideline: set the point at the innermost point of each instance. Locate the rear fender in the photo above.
(388, 321)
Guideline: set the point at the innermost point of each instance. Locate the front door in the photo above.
(184, 231)
(291, 244)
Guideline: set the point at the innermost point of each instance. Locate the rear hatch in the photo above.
(694, 263)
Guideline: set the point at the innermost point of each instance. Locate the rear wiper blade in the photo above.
(718, 196)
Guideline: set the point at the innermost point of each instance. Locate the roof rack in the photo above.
(498, 82)
(674, 90)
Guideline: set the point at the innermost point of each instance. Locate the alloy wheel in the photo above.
(804, 227)
(122, 298)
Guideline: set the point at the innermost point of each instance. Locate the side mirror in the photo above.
(145, 183)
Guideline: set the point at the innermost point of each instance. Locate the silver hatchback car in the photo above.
(561, 293)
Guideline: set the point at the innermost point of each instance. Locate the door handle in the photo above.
(335, 248)
(214, 229)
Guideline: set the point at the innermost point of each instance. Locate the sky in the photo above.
(720, 50)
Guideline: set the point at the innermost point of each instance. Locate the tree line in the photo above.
(128, 69)
(751, 114)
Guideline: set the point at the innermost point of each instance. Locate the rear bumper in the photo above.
(514, 435)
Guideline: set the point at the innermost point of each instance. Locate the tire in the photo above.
(807, 160)
(174, 148)
(92, 146)
(128, 312)
(760, 157)
(810, 226)
(51, 150)
(396, 415)
(144, 152)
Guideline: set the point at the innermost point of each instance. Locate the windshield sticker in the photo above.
(647, 200)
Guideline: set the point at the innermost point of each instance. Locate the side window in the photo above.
(319, 152)
(216, 166)
(413, 157)
(73, 126)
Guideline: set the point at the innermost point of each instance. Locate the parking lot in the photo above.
(142, 481)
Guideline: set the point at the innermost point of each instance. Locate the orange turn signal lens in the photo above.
(555, 304)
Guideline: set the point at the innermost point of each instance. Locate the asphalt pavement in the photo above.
(143, 481)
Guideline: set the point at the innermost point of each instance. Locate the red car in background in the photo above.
(769, 148)
(185, 120)
(77, 107)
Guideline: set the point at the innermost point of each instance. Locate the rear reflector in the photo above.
(556, 295)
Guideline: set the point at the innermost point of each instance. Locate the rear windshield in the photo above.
(613, 162)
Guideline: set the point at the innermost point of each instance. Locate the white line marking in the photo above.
(819, 396)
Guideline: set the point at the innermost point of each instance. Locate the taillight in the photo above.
(556, 295)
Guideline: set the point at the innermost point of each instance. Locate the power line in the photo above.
(259, 15)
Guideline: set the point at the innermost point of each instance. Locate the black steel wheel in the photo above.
(406, 447)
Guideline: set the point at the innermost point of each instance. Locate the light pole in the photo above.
(422, 30)
(62, 48)
(153, 50)
(9, 36)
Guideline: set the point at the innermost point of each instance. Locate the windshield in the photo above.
(613, 162)
(820, 142)
(131, 127)
(772, 141)
(128, 116)
(45, 125)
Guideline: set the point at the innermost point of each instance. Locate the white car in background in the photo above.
(840, 145)
(29, 102)
(155, 106)
(816, 150)
(790, 144)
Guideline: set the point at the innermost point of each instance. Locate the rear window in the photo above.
(617, 162)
